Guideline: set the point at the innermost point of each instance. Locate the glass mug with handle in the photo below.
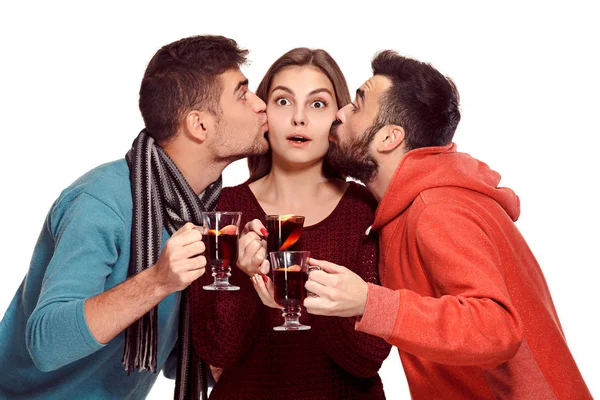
(284, 231)
(221, 230)
(290, 271)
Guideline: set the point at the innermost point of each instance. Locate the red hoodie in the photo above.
(463, 297)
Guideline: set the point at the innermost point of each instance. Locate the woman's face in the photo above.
(300, 109)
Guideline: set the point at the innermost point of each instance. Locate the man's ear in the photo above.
(198, 124)
(390, 138)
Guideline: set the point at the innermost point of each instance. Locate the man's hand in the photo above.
(252, 258)
(182, 260)
(180, 263)
(339, 291)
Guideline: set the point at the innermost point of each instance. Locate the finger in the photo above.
(264, 267)
(187, 237)
(193, 249)
(195, 263)
(247, 260)
(188, 226)
(271, 289)
(318, 289)
(267, 290)
(326, 265)
(257, 227)
(259, 257)
(315, 305)
(248, 238)
(261, 290)
(323, 278)
(259, 281)
(250, 251)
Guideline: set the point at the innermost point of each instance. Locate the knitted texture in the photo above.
(234, 330)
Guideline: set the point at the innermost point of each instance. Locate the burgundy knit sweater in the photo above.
(234, 330)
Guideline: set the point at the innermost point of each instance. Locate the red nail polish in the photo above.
(265, 278)
(264, 232)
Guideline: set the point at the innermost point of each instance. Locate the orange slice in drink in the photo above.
(285, 217)
(289, 242)
(228, 230)
(295, 268)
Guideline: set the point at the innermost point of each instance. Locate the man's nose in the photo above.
(341, 114)
(258, 105)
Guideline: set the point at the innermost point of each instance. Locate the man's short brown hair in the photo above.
(181, 77)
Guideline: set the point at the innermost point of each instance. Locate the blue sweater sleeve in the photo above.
(86, 234)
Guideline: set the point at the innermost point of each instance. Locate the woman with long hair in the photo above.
(233, 331)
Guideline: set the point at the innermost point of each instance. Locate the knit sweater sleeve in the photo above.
(86, 233)
(356, 352)
(470, 320)
(225, 324)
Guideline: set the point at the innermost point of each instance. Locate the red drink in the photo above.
(221, 240)
(284, 231)
(290, 273)
(289, 286)
(222, 248)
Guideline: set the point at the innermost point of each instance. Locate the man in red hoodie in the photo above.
(463, 297)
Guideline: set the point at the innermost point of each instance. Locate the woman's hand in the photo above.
(252, 258)
(264, 287)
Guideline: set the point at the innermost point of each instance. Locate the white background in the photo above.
(527, 74)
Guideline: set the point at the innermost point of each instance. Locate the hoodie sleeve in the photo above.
(356, 352)
(470, 320)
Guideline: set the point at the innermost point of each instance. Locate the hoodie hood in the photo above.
(433, 167)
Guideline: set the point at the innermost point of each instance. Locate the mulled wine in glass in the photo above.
(284, 231)
(221, 238)
(290, 272)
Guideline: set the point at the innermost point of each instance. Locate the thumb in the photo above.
(256, 226)
(188, 226)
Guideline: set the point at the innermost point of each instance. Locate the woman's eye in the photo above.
(282, 101)
(319, 104)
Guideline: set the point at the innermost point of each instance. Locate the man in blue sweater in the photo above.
(98, 312)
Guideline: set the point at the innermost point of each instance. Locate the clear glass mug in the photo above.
(290, 271)
(284, 231)
(221, 231)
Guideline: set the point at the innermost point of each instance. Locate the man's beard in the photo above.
(239, 151)
(353, 159)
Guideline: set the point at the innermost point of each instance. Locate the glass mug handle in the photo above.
(310, 269)
(204, 231)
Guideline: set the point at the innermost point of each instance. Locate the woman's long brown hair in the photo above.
(260, 166)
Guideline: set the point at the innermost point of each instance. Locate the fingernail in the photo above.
(252, 280)
(265, 278)
(264, 232)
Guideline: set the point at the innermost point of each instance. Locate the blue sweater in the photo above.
(46, 348)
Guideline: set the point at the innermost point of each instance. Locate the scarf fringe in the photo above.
(162, 197)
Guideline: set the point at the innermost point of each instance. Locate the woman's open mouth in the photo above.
(298, 139)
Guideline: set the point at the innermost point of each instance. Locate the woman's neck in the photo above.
(302, 191)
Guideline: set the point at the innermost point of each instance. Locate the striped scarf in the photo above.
(162, 197)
